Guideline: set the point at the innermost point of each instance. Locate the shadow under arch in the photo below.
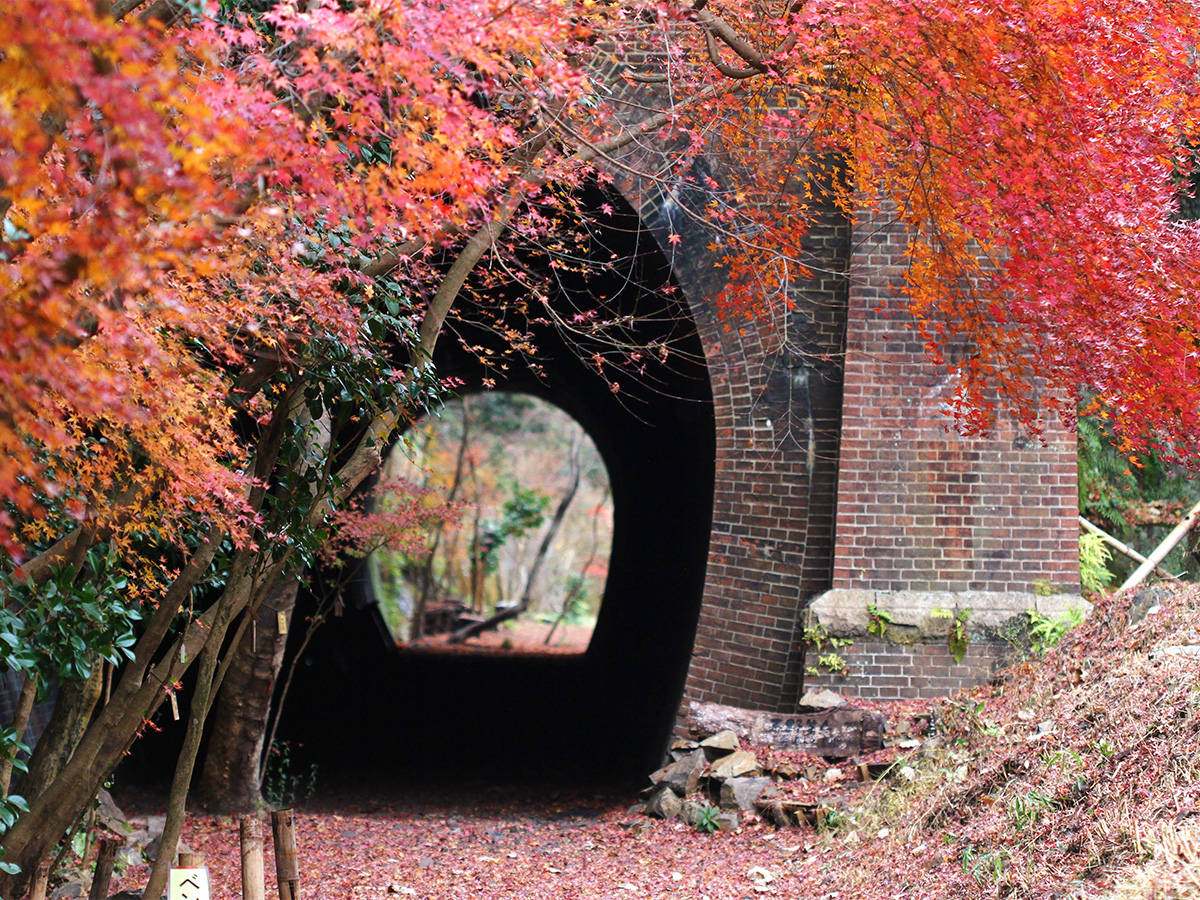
(358, 704)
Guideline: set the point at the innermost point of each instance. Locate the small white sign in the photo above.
(188, 884)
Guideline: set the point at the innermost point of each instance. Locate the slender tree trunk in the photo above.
(578, 585)
(230, 781)
(469, 631)
(231, 604)
(416, 626)
(19, 723)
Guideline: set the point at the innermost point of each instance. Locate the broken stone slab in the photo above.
(841, 732)
(743, 792)
(781, 769)
(844, 612)
(110, 816)
(720, 744)
(683, 776)
(663, 803)
(739, 762)
(819, 701)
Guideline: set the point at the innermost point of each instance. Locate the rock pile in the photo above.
(807, 765)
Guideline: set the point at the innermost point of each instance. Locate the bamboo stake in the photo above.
(253, 879)
(1122, 548)
(283, 831)
(1160, 553)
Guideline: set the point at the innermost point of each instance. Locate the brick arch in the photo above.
(777, 397)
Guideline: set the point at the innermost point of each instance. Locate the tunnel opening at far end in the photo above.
(511, 506)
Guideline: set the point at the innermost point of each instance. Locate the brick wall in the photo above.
(881, 670)
(919, 507)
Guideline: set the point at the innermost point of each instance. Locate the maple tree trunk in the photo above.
(230, 780)
(416, 625)
(237, 595)
(74, 707)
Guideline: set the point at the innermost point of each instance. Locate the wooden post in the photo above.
(41, 880)
(105, 859)
(253, 879)
(283, 831)
(189, 860)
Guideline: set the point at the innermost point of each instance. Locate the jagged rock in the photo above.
(740, 762)
(720, 744)
(681, 747)
(663, 803)
(682, 776)
(818, 701)
(1145, 600)
(691, 812)
(129, 856)
(781, 769)
(727, 821)
(68, 891)
(742, 793)
(110, 816)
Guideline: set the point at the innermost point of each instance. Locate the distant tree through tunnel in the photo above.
(521, 565)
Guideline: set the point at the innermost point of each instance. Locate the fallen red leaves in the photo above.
(1060, 782)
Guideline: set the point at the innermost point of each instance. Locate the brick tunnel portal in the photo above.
(360, 704)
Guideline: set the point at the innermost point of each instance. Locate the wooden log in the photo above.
(106, 857)
(287, 870)
(841, 732)
(253, 877)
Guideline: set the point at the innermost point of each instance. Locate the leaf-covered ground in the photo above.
(1075, 777)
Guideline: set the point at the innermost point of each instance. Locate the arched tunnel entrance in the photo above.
(358, 704)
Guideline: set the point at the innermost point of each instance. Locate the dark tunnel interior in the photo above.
(359, 706)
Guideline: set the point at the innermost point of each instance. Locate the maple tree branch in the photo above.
(121, 8)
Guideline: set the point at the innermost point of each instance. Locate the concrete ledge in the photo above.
(843, 611)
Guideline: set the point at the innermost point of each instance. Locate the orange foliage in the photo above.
(180, 202)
